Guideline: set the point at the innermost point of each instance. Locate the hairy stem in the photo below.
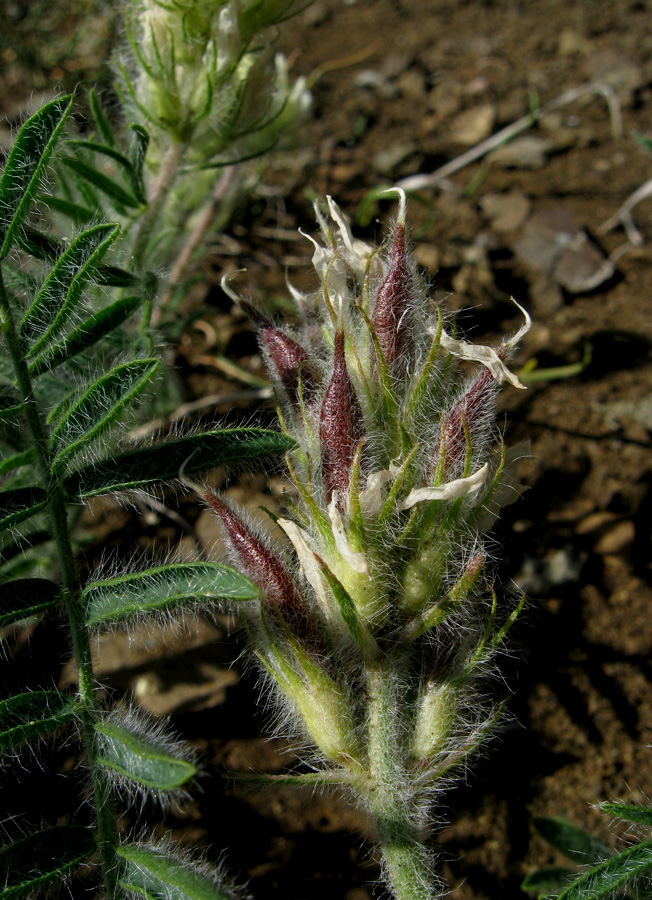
(405, 855)
(104, 808)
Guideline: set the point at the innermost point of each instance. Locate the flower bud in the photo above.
(288, 362)
(390, 316)
(341, 427)
(468, 416)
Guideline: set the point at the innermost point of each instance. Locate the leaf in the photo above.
(140, 760)
(10, 401)
(25, 597)
(197, 453)
(547, 880)
(80, 215)
(138, 153)
(29, 715)
(125, 164)
(642, 815)
(85, 335)
(40, 858)
(162, 588)
(101, 120)
(19, 504)
(344, 601)
(58, 298)
(26, 166)
(17, 461)
(98, 407)
(605, 878)
(107, 186)
(158, 876)
(573, 842)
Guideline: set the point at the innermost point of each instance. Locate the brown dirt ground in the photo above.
(431, 79)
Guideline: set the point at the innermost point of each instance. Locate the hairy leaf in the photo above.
(98, 408)
(573, 842)
(162, 588)
(43, 857)
(26, 166)
(603, 880)
(141, 760)
(642, 815)
(26, 597)
(107, 186)
(80, 215)
(138, 152)
(10, 401)
(58, 298)
(85, 335)
(101, 120)
(19, 504)
(197, 453)
(547, 880)
(29, 715)
(17, 461)
(156, 875)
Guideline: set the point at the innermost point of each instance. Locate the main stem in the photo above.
(392, 806)
(104, 807)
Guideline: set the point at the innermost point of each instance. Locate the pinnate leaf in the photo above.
(161, 462)
(604, 879)
(25, 597)
(59, 296)
(85, 335)
(26, 166)
(139, 759)
(19, 504)
(29, 715)
(162, 588)
(158, 876)
(40, 858)
(98, 407)
(573, 842)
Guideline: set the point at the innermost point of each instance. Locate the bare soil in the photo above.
(407, 86)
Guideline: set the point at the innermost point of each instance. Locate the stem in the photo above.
(392, 806)
(104, 808)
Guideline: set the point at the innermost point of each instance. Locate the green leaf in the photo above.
(102, 182)
(197, 453)
(80, 215)
(25, 597)
(158, 876)
(58, 298)
(344, 601)
(124, 162)
(10, 401)
(19, 504)
(139, 759)
(138, 153)
(85, 335)
(642, 815)
(41, 858)
(547, 880)
(162, 588)
(98, 407)
(26, 166)
(18, 460)
(101, 120)
(612, 874)
(29, 715)
(573, 842)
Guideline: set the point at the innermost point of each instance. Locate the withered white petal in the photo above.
(486, 356)
(523, 330)
(357, 561)
(451, 491)
(371, 498)
(308, 564)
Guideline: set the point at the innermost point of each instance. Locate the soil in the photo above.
(406, 87)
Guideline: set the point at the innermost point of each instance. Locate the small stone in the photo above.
(617, 538)
(570, 42)
(527, 152)
(473, 125)
(506, 212)
(412, 84)
(386, 161)
(595, 520)
(427, 256)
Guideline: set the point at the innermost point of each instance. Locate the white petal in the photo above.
(371, 498)
(402, 201)
(523, 330)
(486, 356)
(357, 561)
(308, 564)
(451, 491)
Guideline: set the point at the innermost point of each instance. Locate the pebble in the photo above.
(617, 538)
(473, 125)
(527, 152)
(387, 160)
(506, 212)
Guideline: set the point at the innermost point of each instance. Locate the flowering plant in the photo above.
(378, 629)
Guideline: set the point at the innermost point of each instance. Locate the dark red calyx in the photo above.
(341, 427)
(289, 362)
(391, 312)
(467, 417)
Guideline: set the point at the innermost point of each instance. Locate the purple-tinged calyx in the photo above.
(259, 564)
(341, 427)
(391, 312)
(290, 363)
(466, 418)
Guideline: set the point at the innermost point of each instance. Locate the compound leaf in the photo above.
(98, 407)
(157, 875)
(163, 588)
(196, 453)
(41, 858)
(58, 298)
(139, 759)
(19, 504)
(26, 166)
(25, 597)
(29, 715)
